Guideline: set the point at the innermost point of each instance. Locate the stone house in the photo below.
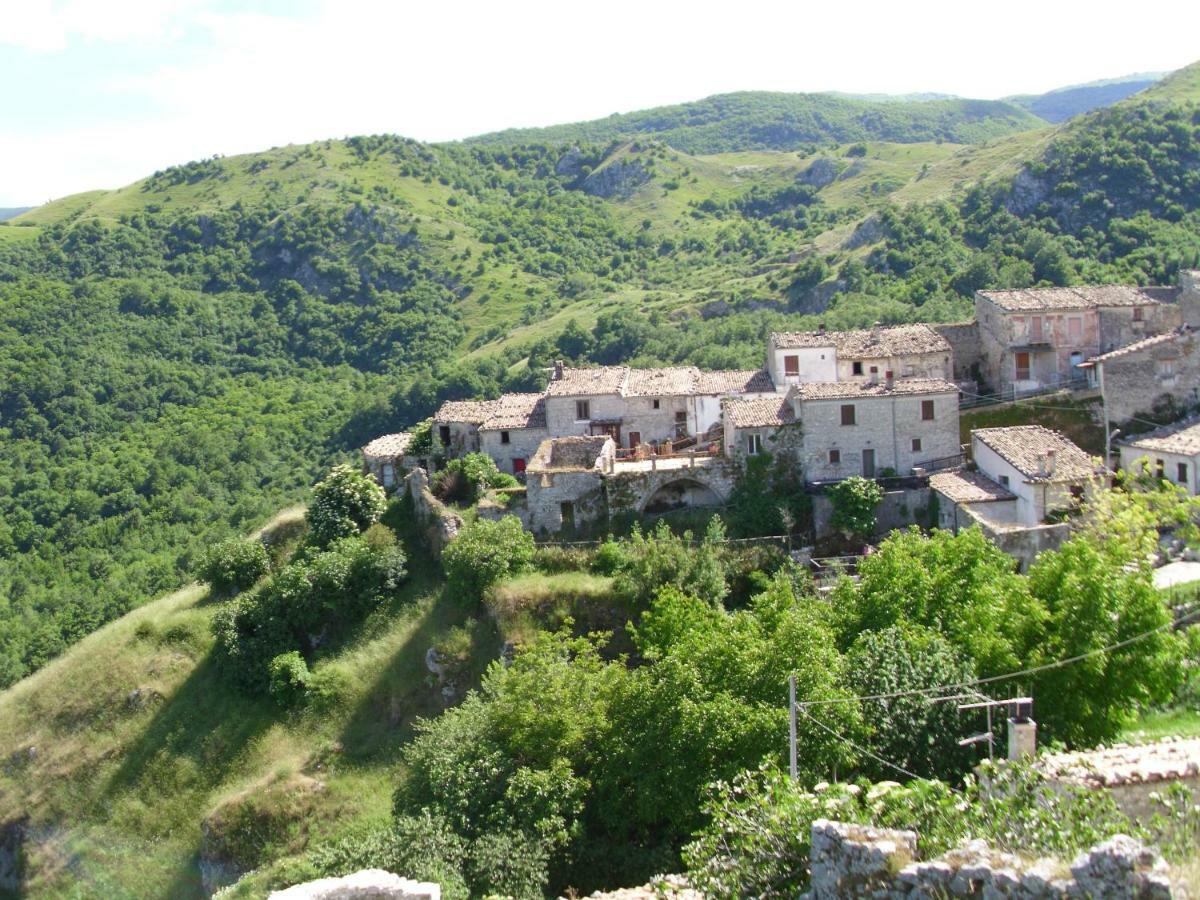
(1042, 468)
(514, 430)
(456, 425)
(907, 351)
(1036, 338)
(385, 458)
(1173, 453)
(1149, 375)
(844, 428)
(564, 487)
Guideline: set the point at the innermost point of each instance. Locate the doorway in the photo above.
(868, 457)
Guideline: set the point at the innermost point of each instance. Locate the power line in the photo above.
(993, 679)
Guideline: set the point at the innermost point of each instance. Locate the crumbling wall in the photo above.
(369, 884)
(859, 861)
(967, 346)
(439, 523)
(898, 509)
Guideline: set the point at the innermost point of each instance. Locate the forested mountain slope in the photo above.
(1064, 103)
(181, 356)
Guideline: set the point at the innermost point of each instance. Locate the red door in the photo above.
(518, 466)
(635, 438)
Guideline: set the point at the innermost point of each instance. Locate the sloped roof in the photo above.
(853, 390)
(1082, 297)
(1168, 759)
(1181, 437)
(585, 382)
(867, 343)
(741, 381)
(672, 381)
(388, 445)
(968, 487)
(1023, 446)
(1138, 346)
(769, 412)
(517, 411)
(473, 412)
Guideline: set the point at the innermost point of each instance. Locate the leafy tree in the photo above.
(483, 553)
(663, 558)
(235, 565)
(288, 674)
(344, 504)
(854, 501)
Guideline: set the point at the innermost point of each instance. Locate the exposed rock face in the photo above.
(570, 163)
(12, 840)
(821, 172)
(618, 179)
(858, 861)
(369, 884)
(869, 231)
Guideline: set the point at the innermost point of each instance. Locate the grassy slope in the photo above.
(116, 792)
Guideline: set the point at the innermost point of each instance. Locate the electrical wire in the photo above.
(863, 750)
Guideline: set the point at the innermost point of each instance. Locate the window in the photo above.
(504, 438)
(1022, 365)
(916, 445)
(835, 457)
(856, 367)
(1166, 367)
(1137, 314)
(1035, 329)
(1074, 329)
(847, 413)
(444, 434)
(1181, 473)
(681, 423)
(926, 410)
(791, 365)
(389, 475)
(657, 404)
(583, 410)
(1003, 481)
(874, 370)
(754, 444)
(1158, 464)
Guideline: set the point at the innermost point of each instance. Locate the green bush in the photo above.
(288, 673)
(485, 552)
(462, 480)
(235, 565)
(345, 503)
(854, 501)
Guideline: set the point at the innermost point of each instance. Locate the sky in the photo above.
(100, 93)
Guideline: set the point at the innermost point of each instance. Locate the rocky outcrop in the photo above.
(369, 884)
(850, 860)
(618, 179)
(440, 524)
(12, 856)
(869, 231)
(821, 172)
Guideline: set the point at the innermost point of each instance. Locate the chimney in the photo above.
(1022, 733)
(558, 370)
(1049, 462)
(888, 380)
(821, 328)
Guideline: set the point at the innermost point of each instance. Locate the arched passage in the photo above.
(681, 493)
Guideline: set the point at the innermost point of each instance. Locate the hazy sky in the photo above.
(98, 93)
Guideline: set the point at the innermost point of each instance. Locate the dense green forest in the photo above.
(181, 357)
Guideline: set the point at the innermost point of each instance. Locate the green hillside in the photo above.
(1064, 103)
(761, 120)
(181, 356)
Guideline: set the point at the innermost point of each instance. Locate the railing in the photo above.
(1011, 395)
(943, 463)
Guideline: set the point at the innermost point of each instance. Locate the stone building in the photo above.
(385, 458)
(1153, 375)
(1036, 338)
(1042, 468)
(1173, 453)
(907, 351)
(456, 425)
(514, 430)
(564, 487)
(842, 428)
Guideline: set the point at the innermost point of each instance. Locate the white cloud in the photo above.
(49, 26)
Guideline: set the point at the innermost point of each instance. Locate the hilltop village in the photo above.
(881, 403)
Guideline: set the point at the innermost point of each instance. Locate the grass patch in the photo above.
(526, 604)
(1157, 724)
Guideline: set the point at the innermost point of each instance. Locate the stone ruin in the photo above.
(369, 884)
(859, 861)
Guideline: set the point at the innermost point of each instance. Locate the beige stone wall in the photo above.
(887, 425)
(1050, 360)
(966, 349)
(1118, 326)
(1152, 379)
(560, 412)
(522, 444)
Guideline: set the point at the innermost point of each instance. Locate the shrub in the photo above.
(483, 553)
(664, 558)
(462, 480)
(288, 674)
(610, 558)
(235, 565)
(344, 503)
(854, 501)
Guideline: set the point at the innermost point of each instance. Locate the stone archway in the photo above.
(680, 493)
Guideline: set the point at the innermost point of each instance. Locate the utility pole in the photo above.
(1021, 706)
(793, 768)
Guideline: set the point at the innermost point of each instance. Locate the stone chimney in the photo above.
(821, 328)
(558, 370)
(1022, 733)
(1046, 464)
(889, 380)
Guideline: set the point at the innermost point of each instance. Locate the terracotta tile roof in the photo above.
(1138, 346)
(1024, 446)
(1170, 759)
(850, 390)
(868, 343)
(388, 445)
(764, 413)
(473, 412)
(1082, 297)
(747, 381)
(517, 411)
(584, 382)
(674, 381)
(1181, 437)
(968, 487)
